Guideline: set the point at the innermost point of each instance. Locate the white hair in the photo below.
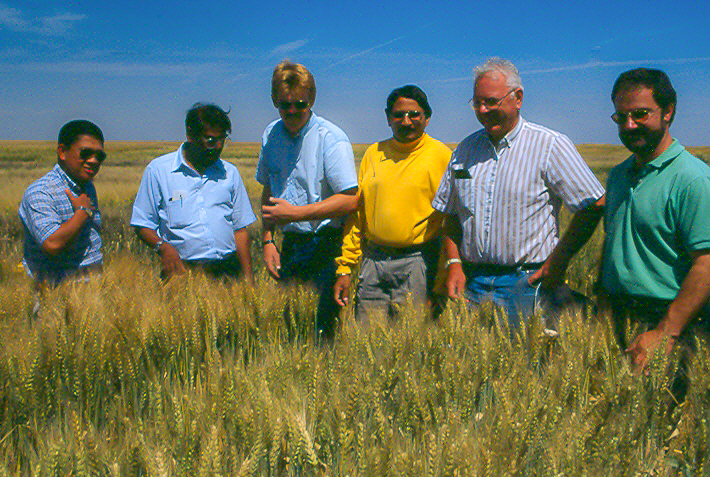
(502, 66)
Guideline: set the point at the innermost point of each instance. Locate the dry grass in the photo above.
(126, 376)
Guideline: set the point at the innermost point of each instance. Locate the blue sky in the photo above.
(135, 67)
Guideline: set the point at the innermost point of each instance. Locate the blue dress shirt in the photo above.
(196, 214)
(44, 207)
(308, 168)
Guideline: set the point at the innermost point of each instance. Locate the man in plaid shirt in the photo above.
(60, 211)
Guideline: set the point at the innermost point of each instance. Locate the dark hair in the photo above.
(71, 131)
(656, 80)
(409, 91)
(201, 115)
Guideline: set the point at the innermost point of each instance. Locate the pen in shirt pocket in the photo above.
(177, 195)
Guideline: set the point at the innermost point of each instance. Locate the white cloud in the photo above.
(11, 18)
(55, 25)
(58, 24)
(286, 48)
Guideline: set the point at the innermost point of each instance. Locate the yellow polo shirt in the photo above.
(397, 182)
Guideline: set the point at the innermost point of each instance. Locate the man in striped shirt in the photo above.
(503, 191)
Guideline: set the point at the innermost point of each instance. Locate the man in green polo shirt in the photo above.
(656, 258)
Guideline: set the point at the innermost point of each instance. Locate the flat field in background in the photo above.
(125, 375)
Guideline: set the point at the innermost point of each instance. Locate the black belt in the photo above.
(493, 269)
(412, 249)
(321, 232)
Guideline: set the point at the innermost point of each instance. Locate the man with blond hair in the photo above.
(503, 189)
(307, 169)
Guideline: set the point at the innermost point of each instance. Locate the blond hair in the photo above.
(290, 76)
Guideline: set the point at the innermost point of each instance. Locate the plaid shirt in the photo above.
(44, 207)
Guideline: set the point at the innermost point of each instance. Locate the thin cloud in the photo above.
(612, 64)
(587, 66)
(11, 18)
(58, 24)
(55, 25)
(286, 48)
(364, 52)
(122, 69)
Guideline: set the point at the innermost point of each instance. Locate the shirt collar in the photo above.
(306, 127)
(73, 185)
(510, 138)
(666, 156)
(180, 162)
(408, 147)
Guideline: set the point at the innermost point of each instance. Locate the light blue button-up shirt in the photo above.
(308, 168)
(196, 214)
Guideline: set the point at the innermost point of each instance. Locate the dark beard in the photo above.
(652, 138)
(201, 157)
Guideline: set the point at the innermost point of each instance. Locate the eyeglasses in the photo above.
(299, 105)
(639, 115)
(86, 153)
(489, 103)
(213, 140)
(412, 115)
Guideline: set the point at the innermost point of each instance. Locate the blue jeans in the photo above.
(511, 291)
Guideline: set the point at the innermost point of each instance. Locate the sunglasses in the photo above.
(299, 105)
(639, 115)
(87, 153)
(412, 115)
(212, 140)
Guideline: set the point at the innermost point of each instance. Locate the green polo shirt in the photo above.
(653, 218)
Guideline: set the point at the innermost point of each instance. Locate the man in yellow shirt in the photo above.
(395, 227)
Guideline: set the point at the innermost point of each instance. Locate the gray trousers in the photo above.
(389, 276)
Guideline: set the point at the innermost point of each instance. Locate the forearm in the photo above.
(267, 227)
(148, 236)
(334, 206)
(66, 232)
(243, 242)
(692, 296)
(579, 231)
(452, 235)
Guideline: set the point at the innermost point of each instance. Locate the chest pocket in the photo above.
(179, 210)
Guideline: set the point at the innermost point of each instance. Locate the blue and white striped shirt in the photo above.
(44, 207)
(507, 198)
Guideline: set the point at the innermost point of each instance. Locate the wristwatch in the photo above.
(89, 211)
(157, 245)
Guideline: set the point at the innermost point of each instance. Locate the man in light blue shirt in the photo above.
(192, 207)
(60, 211)
(307, 169)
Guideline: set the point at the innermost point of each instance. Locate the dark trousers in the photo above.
(228, 267)
(309, 258)
(648, 312)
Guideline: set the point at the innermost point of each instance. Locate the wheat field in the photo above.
(127, 376)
